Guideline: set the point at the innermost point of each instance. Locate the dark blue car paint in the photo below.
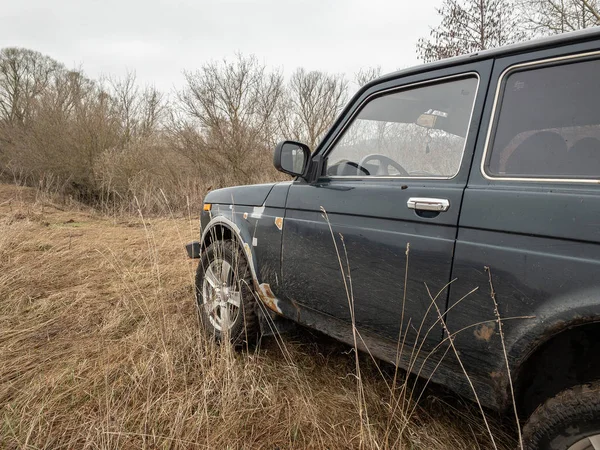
(541, 241)
(536, 243)
(254, 195)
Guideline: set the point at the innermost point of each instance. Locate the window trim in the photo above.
(494, 120)
(398, 89)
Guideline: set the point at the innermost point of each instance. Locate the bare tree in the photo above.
(152, 111)
(125, 93)
(66, 140)
(546, 17)
(313, 101)
(471, 25)
(108, 142)
(24, 75)
(67, 93)
(140, 110)
(68, 122)
(367, 74)
(232, 107)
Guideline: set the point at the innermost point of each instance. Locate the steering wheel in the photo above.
(384, 163)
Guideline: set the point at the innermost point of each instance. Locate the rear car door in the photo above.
(531, 214)
(386, 205)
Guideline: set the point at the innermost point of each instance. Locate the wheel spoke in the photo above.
(225, 272)
(234, 299)
(224, 310)
(587, 443)
(210, 305)
(212, 278)
(221, 301)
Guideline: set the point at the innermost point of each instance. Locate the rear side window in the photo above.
(548, 124)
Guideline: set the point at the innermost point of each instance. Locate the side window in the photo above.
(415, 132)
(548, 124)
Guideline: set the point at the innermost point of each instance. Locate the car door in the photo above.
(530, 218)
(375, 230)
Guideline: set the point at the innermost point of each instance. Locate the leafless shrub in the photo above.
(120, 146)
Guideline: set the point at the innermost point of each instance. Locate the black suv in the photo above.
(451, 217)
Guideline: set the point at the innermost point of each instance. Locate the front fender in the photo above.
(228, 218)
(250, 195)
(241, 235)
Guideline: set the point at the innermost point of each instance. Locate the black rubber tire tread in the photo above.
(552, 421)
(246, 328)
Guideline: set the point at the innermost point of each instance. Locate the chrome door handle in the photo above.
(428, 204)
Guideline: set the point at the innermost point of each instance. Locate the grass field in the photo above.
(100, 348)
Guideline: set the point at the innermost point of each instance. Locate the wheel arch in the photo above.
(560, 357)
(221, 227)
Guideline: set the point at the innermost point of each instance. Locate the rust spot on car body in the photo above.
(499, 379)
(268, 298)
(485, 331)
(279, 223)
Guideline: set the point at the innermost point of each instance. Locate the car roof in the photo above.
(588, 34)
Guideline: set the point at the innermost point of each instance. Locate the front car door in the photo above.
(385, 206)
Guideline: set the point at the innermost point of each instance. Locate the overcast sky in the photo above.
(160, 38)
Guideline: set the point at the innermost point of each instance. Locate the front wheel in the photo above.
(568, 421)
(224, 294)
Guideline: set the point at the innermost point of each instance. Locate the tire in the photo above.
(568, 421)
(226, 301)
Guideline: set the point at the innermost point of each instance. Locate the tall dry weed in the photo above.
(100, 347)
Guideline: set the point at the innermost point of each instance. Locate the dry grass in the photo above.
(100, 348)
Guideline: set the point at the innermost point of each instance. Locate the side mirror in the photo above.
(291, 157)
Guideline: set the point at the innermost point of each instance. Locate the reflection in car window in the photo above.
(549, 123)
(418, 132)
